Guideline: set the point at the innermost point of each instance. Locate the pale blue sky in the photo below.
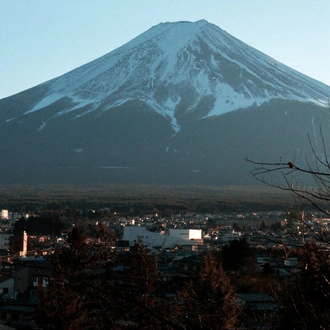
(40, 39)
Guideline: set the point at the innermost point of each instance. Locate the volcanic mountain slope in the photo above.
(183, 103)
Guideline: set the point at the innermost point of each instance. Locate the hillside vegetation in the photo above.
(190, 198)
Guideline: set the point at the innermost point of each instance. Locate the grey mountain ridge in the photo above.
(183, 103)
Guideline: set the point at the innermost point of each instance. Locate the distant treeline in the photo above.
(142, 198)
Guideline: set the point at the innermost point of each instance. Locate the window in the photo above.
(5, 290)
(26, 318)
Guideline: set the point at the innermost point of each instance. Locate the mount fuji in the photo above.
(182, 103)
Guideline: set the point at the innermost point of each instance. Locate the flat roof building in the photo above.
(167, 239)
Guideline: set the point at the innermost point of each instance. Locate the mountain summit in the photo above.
(177, 104)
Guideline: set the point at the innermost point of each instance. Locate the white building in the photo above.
(231, 236)
(4, 214)
(167, 239)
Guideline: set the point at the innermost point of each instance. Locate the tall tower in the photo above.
(24, 252)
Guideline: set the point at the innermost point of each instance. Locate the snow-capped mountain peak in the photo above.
(180, 69)
(115, 119)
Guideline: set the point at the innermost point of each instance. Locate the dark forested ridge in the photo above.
(21, 198)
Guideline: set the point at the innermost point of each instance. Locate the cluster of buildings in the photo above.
(178, 242)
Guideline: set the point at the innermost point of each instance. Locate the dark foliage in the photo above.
(306, 299)
(91, 287)
(237, 255)
(45, 225)
(39, 225)
(78, 295)
(208, 302)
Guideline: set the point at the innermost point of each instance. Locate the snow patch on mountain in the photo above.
(48, 100)
(166, 110)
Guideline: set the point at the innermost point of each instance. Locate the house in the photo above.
(4, 241)
(19, 317)
(30, 275)
(6, 287)
(5, 327)
(20, 291)
(259, 308)
(257, 301)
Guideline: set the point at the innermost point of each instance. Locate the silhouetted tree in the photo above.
(51, 225)
(80, 292)
(209, 302)
(314, 195)
(306, 299)
(237, 255)
(91, 287)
